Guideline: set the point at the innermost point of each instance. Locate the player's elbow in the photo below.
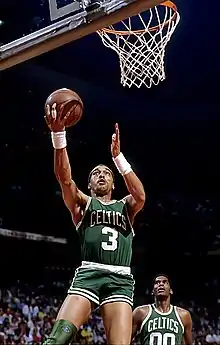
(141, 198)
(139, 203)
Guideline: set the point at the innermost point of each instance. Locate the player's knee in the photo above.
(63, 333)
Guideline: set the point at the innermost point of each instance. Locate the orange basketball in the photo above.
(69, 99)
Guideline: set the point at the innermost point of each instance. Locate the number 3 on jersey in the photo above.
(112, 243)
(157, 338)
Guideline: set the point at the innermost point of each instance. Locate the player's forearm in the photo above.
(135, 187)
(71, 195)
(62, 167)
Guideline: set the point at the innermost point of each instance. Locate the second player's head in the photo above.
(161, 287)
(101, 180)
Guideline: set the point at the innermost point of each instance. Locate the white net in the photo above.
(140, 43)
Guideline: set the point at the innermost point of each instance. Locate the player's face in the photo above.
(162, 287)
(101, 180)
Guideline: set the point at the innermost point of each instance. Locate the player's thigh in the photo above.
(75, 309)
(117, 319)
(86, 283)
(116, 301)
(117, 288)
(83, 296)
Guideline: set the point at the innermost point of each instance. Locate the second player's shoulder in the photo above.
(182, 311)
(141, 312)
(184, 315)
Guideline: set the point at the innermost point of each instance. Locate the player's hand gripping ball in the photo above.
(68, 104)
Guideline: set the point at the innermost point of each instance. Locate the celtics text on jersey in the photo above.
(106, 233)
(161, 328)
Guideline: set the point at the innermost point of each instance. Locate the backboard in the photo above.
(31, 28)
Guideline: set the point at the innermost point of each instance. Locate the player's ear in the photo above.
(171, 291)
(113, 186)
(89, 186)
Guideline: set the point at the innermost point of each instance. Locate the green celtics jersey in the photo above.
(106, 233)
(161, 328)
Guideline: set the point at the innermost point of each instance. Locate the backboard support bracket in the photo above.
(72, 28)
(56, 13)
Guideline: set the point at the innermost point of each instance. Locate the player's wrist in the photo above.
(121, 163)
(59, 140)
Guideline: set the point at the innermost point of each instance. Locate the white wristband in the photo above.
(59, 140)
(122, 164)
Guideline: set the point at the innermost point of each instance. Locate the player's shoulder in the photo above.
(184, 314)
(141, 312)
(123, 200)
(182, 311)
(126, 199)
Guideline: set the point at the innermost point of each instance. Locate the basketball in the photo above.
(69, 99)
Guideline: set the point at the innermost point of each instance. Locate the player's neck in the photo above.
(104, 198)
(163, 305)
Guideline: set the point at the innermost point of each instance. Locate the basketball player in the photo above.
(105, 230)
(162, 323)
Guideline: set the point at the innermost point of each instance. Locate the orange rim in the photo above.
(168, 3)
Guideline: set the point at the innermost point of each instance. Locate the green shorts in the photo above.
(102, 286)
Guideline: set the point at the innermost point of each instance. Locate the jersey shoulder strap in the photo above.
(178, 318)
(84, 213)
(127, 214)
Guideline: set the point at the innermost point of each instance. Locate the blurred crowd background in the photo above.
(28, 311)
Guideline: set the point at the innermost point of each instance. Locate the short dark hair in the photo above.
(90, 174)
(161, 275)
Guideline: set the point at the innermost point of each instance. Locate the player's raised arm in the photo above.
(74, 199)
(137, 197)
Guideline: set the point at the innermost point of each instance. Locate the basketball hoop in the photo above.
(140, 43)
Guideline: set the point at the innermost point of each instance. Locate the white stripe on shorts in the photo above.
(85, 293)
